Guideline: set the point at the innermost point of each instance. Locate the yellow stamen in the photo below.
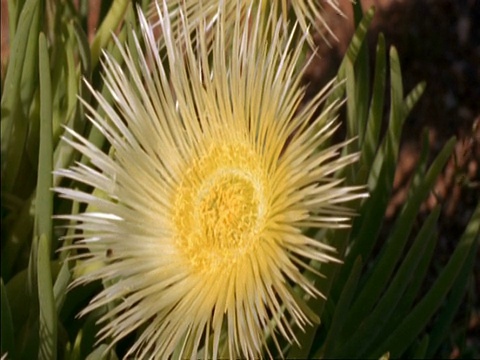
(220, 207)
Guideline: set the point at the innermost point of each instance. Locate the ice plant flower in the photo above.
(196, 223)
(309, 15)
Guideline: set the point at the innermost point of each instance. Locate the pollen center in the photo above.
(228, 211)
(220, 209)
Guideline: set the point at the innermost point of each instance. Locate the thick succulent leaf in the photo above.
(421, 348)
(441, 327)
(418, 318)
(104, 34)
(44, 199)
(352, 53)
(7, 336)
(394, 247)
(61, 286)
(372, 327)
(366, 228)
(48, 313)
(362, 80)
(16, 239)
(83, 49)
(375, 115)
(341, 308)
(102, 353)
(14, 123)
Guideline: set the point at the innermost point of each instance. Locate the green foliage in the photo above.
(375, 305)
(49, 56)
(374, 301)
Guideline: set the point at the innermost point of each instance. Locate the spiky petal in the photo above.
(197, 218)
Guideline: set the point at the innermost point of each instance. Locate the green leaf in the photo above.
(362, 83)
(83, 49)
(421, 348)
(48, 313)
(13, 13)
(396, 242)
(30, 64)
(341, 309)
(441, 327)
(352, 53)
(340, 238)
(352, 123)
(324, 284)
(16, 289)
(411, 293)
(414, 96)
(14, 125)
(7, 336)
(44, 200)
(73, 87)
(25, 313)
(102, 353)
(28, 337)
(61, 285)
(396, 93)
(15, 240)
(359, 36)
(89, 329)
(373, 325)
(366, 228)
(357, 12)
(418, 318)
(109, 24)
(76, 298)
(375, 115)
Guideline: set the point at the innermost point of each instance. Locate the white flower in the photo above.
(197, 218)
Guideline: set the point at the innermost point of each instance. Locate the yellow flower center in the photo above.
(220, 207)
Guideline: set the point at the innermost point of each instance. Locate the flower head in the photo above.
(197, 218)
